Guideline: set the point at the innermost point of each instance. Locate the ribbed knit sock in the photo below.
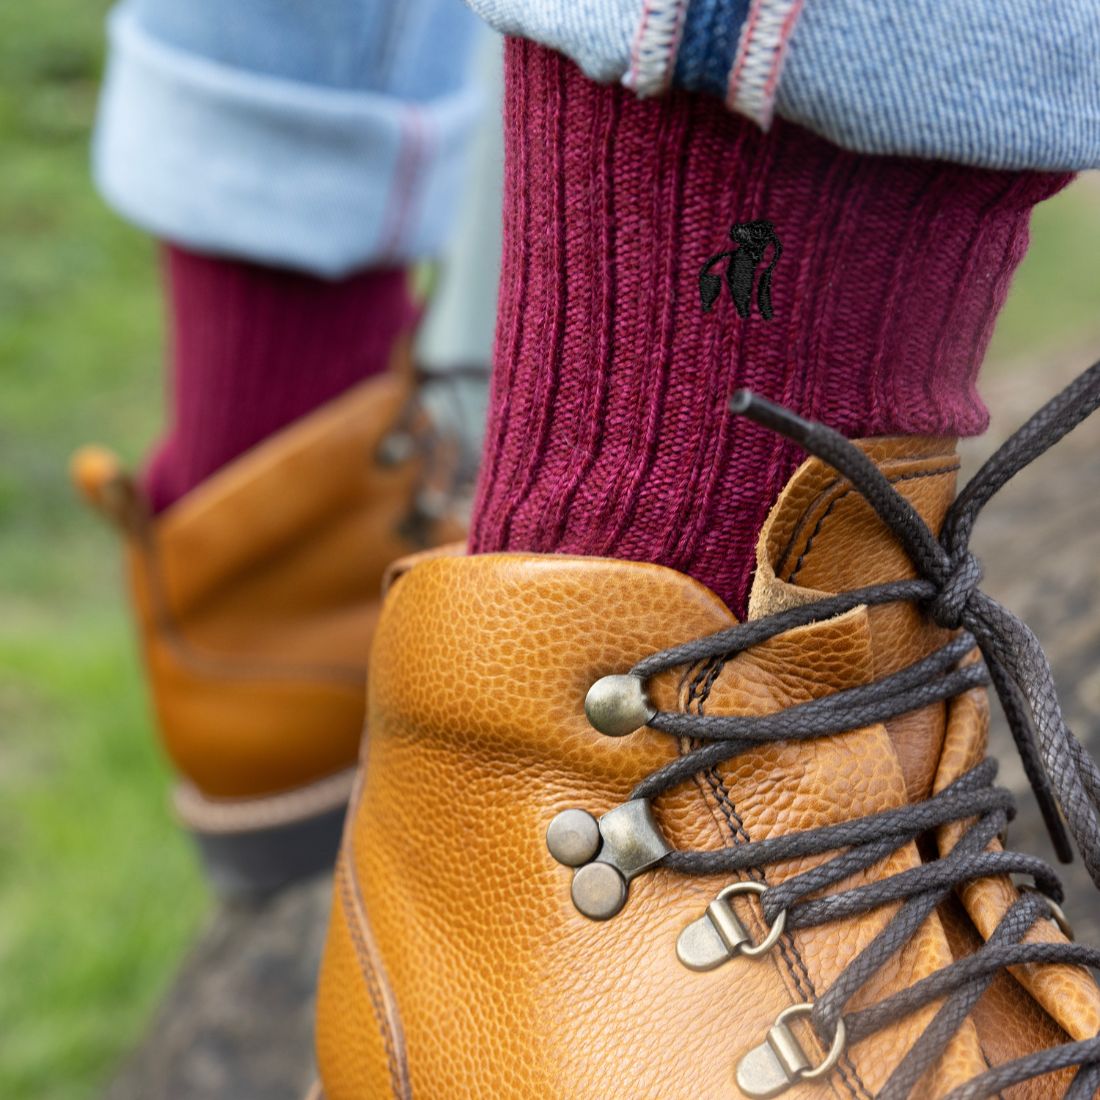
(254, 348)
(608, 430)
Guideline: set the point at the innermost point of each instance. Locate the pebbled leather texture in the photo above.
(256, 594)
(475, 975)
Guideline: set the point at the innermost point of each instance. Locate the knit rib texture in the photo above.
(608, 430)
(254, 348)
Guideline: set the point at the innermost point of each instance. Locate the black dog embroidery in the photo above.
(752, 239)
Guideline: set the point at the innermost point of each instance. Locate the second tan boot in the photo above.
(256, 597)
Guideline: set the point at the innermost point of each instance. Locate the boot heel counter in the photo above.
(359, 1040)
(240, 733)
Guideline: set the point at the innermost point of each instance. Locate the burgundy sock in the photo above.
(253, 348)
(608, 432)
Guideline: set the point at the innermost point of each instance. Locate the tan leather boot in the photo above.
(256, 597)
(555, 884)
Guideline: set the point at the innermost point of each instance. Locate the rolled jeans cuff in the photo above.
(993, 83)
(323, 180)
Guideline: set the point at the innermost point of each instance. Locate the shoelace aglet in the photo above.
(770, 415)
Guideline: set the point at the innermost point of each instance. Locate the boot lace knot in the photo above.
(948, 606)
(1064, 778)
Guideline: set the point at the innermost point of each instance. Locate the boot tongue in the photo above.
(822, 537)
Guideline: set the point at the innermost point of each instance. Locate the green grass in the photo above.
(1055, 299)
(98, 892)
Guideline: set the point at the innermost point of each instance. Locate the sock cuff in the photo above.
(659, 255)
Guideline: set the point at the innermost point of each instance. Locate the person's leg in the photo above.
(297, 162)
(254, 348)
(652, 790)
(608, 430)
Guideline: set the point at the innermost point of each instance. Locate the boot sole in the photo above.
(255, 846)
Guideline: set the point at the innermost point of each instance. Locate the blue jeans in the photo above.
(332, 136)
(325, 137)
(999, 83)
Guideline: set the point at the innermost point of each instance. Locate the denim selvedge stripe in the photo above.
(999, 83)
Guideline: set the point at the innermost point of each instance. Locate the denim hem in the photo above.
(1009, 84)
(598, 35)
(317, 179)
(656, 43)
(754, 76)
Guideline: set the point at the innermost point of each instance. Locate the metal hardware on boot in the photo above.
(1057, 913)
(617, 705)
(599, 891)
(573, 837)
(627, 842)
(779, 1062)
(718, 935)
(396, 449)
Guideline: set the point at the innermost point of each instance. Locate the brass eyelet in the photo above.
(617, 705)
(395, 449)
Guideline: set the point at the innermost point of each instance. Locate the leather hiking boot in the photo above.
(608, 842)
(256, 597)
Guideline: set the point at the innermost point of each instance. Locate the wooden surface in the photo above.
(237, 1023)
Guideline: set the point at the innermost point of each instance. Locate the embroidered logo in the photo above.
(752, 239)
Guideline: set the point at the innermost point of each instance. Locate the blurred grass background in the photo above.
(99, 894)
